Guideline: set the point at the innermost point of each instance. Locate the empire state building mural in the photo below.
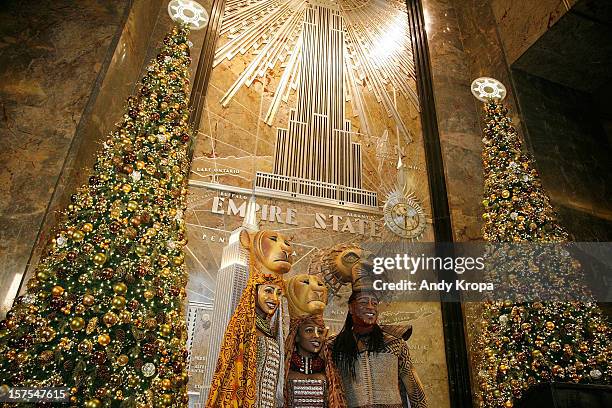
(312, 101)
(315, 156)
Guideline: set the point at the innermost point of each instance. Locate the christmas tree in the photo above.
(103, 314)
(524, 343)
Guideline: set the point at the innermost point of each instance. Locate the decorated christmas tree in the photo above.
(525, 343)
(103, 314)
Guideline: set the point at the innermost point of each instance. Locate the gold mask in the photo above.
(306, 295)
(270, 251)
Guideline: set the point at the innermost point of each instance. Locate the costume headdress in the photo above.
(234, 381)
(306, 299)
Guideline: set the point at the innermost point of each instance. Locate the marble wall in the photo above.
(572, 154)
(521, 23)
(463, 45)
(51, 53)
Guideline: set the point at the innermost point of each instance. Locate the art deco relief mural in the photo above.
(310, 127)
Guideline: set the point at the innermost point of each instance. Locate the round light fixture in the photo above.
(486, 89)
(188, 12)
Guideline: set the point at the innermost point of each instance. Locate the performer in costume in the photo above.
(249, 370)
(373, 359)
(311, 379)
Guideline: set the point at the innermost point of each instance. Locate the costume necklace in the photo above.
(263, 324)
(306, 365)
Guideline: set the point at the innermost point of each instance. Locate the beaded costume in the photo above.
(268, 370)
(307, 393)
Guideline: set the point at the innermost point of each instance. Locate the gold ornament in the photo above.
(110, 319)
(126, 188)
(122, 360)
(78, 235)
(99, 259)
(166, 384)
(178, 260)
(57, 291)
(165, 329)
(132, 206)
(104, 339)
(93, 403)
(118, 302)
(120, 288)
(40, 275)
(87, 227)
(148, 294)
(77, 323)
(550, 326)
(88, 300)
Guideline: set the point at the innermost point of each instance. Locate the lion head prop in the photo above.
(306, 295)
(339, 265)
(270, 252)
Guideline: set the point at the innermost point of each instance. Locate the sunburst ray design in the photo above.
(378, 51)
